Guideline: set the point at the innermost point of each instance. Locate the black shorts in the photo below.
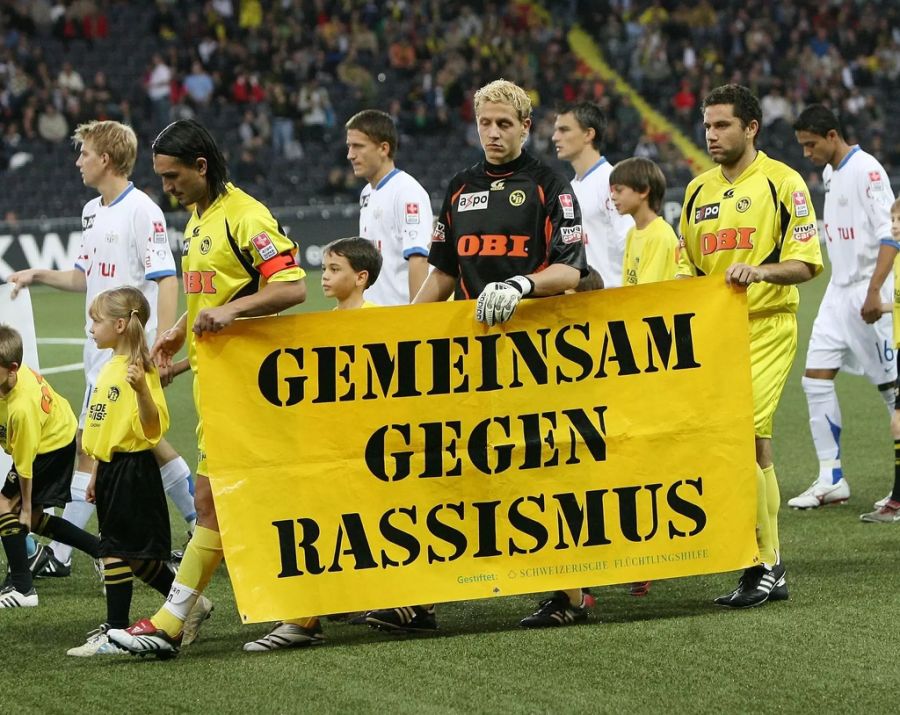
(131, 507)
(51, 478)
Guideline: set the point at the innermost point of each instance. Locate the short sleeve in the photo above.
(798, 219)
(259, 236)
(151, 233)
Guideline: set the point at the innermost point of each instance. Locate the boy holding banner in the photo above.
(752, 220)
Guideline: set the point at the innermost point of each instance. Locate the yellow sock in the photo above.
(763, 523)
(201, 558)
(308, 623)
(773, 502)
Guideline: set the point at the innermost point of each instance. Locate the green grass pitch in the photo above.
(830, 647)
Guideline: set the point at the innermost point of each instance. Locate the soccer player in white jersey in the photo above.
(578, 138)
(857, 223)
(124, 242)
(394, 210)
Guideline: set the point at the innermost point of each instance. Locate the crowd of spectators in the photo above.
(284, 75)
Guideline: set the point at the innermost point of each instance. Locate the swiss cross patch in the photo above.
(568, 206)
(264, 246)
(159, 232)
(801, 207)
(412, 213)
(875, 182)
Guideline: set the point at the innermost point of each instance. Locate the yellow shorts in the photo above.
(773, 343)
(201, 446)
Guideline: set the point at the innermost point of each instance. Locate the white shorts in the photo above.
(94, 359)
(842, 340)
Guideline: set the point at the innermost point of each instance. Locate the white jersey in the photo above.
(396, 216)
(857, 215)
(125, 243)
(605, 229)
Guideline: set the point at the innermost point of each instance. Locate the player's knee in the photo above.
(816, 386)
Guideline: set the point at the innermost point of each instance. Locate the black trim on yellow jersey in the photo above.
(689, 206)
(251, 287)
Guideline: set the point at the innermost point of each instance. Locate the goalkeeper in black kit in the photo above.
(510, 228)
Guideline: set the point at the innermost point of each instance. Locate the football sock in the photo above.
(118, 580)
(764, 539)
(30, 546)
(179, 486)
(773, 501)
(308, 623)
(825, 425)
(61, 530)
(156, 575)
(77, 512)
(13, 535)
(576, 597)
(889, 395)
(201, 557)
(895, 493)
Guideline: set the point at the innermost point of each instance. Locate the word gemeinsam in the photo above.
(497, 361)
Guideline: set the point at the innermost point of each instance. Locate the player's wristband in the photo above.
(523, 284)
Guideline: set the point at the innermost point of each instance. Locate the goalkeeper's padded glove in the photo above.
(498, 301)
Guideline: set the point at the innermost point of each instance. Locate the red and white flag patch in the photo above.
(412, 213)
(801, 206)
(568, 205)
(159, 232)
(264, 246)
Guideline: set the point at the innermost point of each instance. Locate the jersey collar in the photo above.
(122, 195)
(390, 175)
(749, 171)
(498, 170)
(596, 166)
(847, 158)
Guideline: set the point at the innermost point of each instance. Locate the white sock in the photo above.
(825, 425)
(889, 396)
(176, 479)
(180, 600)
(77, 512)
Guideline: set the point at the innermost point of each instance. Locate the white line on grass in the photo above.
(62, 368)
(61, 341)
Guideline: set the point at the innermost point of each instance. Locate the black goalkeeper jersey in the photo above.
(503, 221)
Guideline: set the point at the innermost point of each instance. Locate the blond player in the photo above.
(751, 220)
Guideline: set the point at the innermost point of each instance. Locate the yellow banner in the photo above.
(393, 456)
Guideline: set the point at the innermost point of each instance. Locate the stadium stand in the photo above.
(277, 80)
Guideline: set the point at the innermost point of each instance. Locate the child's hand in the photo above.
(137, 378)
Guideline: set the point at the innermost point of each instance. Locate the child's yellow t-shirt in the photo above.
(650, 254)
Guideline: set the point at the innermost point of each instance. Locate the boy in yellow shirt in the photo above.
(349, 266)
(637, 187)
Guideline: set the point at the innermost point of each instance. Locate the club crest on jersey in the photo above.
(87, 222)
(264, 246)
(801, 206)
(205, 245)
(571, 234)
(568, 205)
(159, 232)
(804, 232)
(477, 201)
(517, 197)
(742, 204)
(113, 394)
(363, 201)
(412, 213)
(439, 234)
(704, 213)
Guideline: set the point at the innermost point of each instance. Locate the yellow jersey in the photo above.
(650, 254)
(113, 423)
(230, 251)
(34, 420)
(764, 216)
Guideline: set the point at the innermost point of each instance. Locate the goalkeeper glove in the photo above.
(498, 301)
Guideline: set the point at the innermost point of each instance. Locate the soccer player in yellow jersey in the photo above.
(637, 188)
(237, 262)
(751, 219)
(37, 429)
(349, 267)
(887, 510)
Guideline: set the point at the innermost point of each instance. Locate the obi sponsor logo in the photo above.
(473, 202)
(727, 239)
(571, 234)
(199, 282)
(801, 204)
(568, 205)
(704, 213)
(804, 232)
(492, 245)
